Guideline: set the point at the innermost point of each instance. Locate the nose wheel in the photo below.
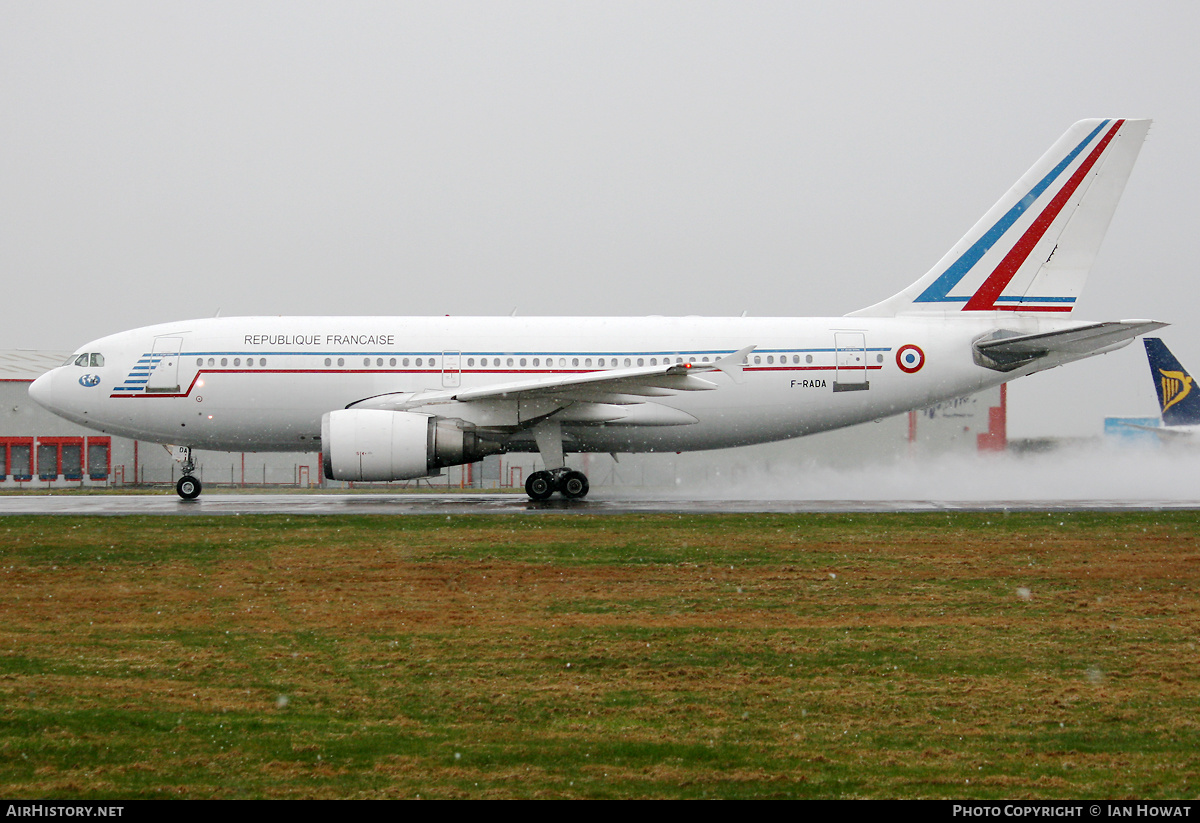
(188, 486)
(568, 482)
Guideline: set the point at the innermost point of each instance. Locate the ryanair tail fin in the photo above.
(1177, 395)
(1032, 251)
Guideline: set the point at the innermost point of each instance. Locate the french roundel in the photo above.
(910, 358)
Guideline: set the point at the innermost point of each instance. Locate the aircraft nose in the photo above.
(40, 390)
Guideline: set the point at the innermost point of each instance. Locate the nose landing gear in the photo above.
(188, 486)
(570, 483)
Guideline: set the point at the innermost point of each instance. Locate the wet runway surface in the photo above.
(496, 503)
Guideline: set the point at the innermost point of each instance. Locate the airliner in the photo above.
(394, 398)
(1177, 396)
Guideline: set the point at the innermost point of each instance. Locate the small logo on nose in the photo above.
(90, 380)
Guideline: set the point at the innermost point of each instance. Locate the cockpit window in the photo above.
(97, 359)
(81, 360)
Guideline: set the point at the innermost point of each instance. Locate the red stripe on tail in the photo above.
(985, 297)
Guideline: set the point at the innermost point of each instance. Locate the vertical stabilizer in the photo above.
(1032, 251)
(1177, 395)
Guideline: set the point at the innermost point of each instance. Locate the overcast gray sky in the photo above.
(165, 160)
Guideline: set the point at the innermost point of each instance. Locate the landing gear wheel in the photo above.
(540, 485)
(188, 487)
(573, 485)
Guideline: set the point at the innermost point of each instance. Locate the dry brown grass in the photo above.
(945, 656)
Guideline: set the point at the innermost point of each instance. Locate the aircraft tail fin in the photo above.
(1177, 395)
(1032, 251)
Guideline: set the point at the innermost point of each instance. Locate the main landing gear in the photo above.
(570, 483)
(188, 486)
(557, 477)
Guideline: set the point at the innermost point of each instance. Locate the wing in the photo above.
(1007, 351)
(615, 396)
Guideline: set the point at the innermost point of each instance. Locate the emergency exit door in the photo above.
(164, 366)
(451, 369)
(850, 361)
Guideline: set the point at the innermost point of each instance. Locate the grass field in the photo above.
(924, 655)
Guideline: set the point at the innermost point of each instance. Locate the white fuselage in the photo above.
(392, 398)
(264, 383)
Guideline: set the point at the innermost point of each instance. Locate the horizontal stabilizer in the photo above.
(1004, 350)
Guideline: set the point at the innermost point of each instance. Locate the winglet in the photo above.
(732, 364)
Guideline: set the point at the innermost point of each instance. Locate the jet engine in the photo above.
(375, 444)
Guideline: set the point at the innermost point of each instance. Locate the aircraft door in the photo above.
(451, 369)
(850, 363)
(164, 365)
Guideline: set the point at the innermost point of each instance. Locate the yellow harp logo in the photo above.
(1175, 386)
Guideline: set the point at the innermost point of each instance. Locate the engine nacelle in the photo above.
(375, 445)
